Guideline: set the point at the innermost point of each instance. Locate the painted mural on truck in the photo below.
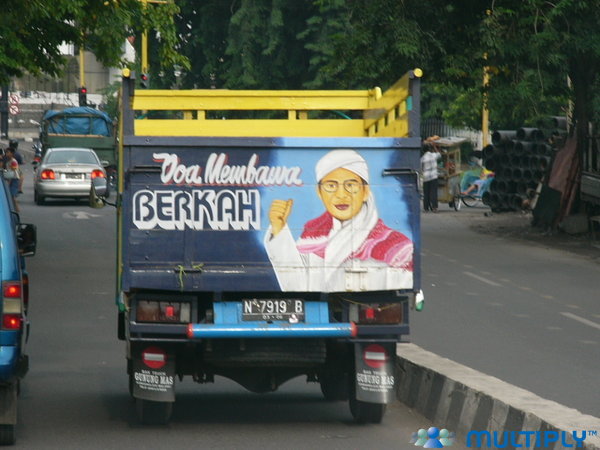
(320, 220)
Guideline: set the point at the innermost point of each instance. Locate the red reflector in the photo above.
(11, 321)
(98, 174)
(369, 313)
(48, 174)
(12, 290)
(170, 311)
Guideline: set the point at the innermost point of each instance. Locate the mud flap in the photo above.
(374, 371)
(153, 375)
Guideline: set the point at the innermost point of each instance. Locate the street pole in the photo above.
(4, 113)
(144, 44)
(485, 114)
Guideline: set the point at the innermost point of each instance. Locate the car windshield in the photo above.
(71, 157)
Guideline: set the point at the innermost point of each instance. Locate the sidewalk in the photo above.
(517, 226)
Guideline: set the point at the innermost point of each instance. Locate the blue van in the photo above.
(17, 240)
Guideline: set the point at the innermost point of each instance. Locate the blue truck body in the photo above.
(16, 241)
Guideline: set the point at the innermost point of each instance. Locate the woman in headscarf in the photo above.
(348, 247)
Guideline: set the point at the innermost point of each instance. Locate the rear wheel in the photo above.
(39, 200)
(364, 412)
(456, 203)
(8, 406)
(7, 434)
(153, 413)
(469, 200)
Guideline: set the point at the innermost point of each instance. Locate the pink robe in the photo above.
(382, 244)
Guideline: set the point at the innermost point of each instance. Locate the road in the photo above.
(75, 395)
(524, 313)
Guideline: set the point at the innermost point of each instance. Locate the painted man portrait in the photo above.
(346, 248)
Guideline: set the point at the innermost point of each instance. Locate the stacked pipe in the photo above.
(520, 159)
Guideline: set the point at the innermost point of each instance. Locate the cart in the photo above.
(449, 170)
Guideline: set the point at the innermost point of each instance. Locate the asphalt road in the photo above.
(526, 313)
(75, 395)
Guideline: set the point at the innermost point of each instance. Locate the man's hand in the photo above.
(278, 214)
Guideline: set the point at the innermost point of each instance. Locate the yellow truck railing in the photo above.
(201, 112)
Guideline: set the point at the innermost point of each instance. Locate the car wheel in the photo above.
(153, 413)
(7, 434)
(39, 200)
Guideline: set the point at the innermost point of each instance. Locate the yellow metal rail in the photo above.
(200, 112)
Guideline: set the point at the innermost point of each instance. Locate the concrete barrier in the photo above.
(461, 399)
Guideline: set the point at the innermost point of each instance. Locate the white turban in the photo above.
(344, 159)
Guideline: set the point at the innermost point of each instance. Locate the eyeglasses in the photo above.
(351, 186)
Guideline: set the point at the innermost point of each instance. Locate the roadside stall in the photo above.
(449, 170)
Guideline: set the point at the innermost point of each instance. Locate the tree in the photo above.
(31, 32)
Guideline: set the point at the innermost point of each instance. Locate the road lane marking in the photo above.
(483, 280)
(581, 319)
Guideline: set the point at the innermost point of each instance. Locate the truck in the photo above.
(81, 127)
(17, 240)
(267, 235)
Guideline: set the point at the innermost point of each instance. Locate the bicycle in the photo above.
(468, 178)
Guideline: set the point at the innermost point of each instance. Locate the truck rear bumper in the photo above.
(253, 330)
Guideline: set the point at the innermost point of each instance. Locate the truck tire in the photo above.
(7, 434)
(364, 412)
(153, 413)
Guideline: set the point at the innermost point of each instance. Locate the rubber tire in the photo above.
(39, 200)
(334, 386)
(364, 412)
(153, 413)
(456, 203)
(469, 201)
(8, 436)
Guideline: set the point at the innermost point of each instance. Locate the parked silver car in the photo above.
(66, 172)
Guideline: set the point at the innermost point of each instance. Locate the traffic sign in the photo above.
(13, 109)
(154, 357)
(375, 356)
(14, 99)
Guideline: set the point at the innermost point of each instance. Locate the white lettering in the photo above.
(219, 172)
(197, 209)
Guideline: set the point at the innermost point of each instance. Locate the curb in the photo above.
(462, 399)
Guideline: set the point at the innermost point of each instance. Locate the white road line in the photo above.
(581, 319)
(483, 280)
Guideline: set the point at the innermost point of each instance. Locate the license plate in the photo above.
(73, 176)
(289, 310)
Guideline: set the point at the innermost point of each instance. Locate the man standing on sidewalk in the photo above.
(429, 169)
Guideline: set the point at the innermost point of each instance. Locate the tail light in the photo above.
(163, 312)
(12, 321)
(12, 312)
(390, 313)
(97, 174)
(48, 174)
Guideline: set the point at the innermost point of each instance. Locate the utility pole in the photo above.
(82, 89)
(145, 75)
(485, 114)
(4, 113)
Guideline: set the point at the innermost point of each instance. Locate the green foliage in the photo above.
(528, 47)
(32, 31)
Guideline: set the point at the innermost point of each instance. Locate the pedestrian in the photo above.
(11, 174)
(429, 170)
(14, 144)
